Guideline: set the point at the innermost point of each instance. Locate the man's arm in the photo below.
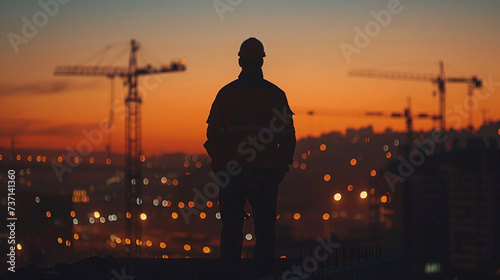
(214, 146)
(286, 140)
(215, 136)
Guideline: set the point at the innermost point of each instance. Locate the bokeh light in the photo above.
(337, 197)
(363, 194)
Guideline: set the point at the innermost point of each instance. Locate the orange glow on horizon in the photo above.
(174, 111)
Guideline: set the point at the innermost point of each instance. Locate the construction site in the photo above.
(395, 172)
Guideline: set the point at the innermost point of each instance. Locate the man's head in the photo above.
(251, 53)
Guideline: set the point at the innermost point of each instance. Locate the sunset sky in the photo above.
(302, 40)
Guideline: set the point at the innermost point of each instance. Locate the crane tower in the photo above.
(133, 151)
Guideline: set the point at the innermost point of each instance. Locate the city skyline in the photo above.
(344, 175)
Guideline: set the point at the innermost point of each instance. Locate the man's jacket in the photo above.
(250, 122)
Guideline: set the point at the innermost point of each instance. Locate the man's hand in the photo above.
(282, 170)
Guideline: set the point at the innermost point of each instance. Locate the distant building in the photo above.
(473, 180)
(450, 210)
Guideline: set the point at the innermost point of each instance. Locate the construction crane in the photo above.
(440, 79)
(406, 114)
(133, 151)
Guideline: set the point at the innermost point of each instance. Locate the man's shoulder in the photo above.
(252, 82)
(230, 85)
(262, 83)
(272, 86)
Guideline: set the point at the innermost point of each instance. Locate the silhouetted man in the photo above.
(251, 140)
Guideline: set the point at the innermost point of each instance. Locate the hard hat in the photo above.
(252, 48)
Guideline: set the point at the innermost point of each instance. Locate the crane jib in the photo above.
(112, 71)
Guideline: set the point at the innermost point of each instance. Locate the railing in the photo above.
(353, 263)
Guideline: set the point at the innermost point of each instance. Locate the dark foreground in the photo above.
(388, 267)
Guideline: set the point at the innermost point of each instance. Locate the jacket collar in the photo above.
(251, 73)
